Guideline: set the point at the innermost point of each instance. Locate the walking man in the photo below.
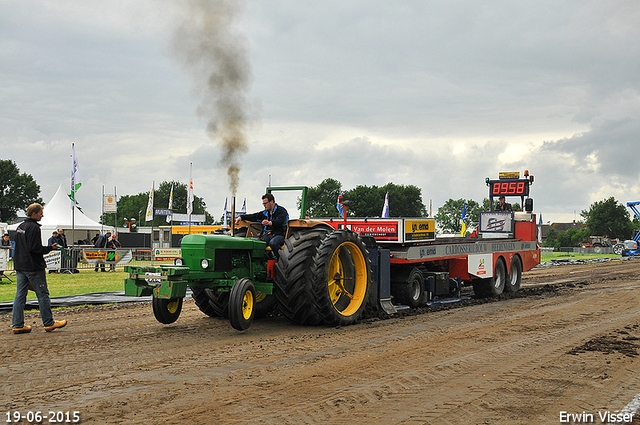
(30, 268)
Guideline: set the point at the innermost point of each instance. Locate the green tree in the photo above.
(17, 190)
(449, 215)
(365, 201)
(321, 199)
(404, 201)
(552, 238)
(608, 218)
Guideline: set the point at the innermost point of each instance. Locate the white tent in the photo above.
(57, 215)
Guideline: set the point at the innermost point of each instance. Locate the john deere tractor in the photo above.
(322, 275)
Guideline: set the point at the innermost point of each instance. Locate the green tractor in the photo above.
(322, 276)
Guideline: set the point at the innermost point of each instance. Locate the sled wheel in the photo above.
(494, 286)
(242, 301)
(515, 277)
(342, 271)
(166, 310)
(410, 292)
(499, 278)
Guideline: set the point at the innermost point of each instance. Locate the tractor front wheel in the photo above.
(166, 310)
(342, 271)
(242, 302)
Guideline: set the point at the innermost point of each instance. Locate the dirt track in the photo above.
(569, 345)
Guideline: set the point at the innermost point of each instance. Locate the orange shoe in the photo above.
(23, 330)
(56, 324)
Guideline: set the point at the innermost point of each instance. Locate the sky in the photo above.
(436, 94)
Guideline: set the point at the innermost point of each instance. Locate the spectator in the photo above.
(113, 244)
(5, 243)
(53, 239)
(101, 242)
(62, 239)
(5, 249)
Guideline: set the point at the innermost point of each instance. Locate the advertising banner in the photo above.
(110, 204)
(107, 256)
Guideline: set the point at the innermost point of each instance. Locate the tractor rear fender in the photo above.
(298, 224)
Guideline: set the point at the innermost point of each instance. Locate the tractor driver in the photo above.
(502, 205)
(274, 219)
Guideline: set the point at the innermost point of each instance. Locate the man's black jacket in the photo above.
(28, 252)
(279, 217)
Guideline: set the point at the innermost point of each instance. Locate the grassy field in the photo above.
(563, 255)
(88, 281)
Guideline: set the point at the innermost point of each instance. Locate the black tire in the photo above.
(242, 301)
(514, 279)
(265, 303)
(491, 287)
(166, 310)
(211, 303)
(410, 292)
(293, 284)
(342, 270)
(597, 248)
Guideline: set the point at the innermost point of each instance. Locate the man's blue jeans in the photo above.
(38, 280)
(275, 242)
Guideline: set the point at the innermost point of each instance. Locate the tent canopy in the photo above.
(58, 215)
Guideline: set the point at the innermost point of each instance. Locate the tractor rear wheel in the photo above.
(166, 310)
(242, 302)
(211, 303)
(342, 270)
(293, 286)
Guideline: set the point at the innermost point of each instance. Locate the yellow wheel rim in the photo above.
(247, 305)
(352, 287)
(172, 306)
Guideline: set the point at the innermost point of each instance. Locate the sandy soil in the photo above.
(568, 342)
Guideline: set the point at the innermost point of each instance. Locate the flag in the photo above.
(169, 217)
(540, 230)
(76, 178)
(190, 193)
(224, 220)
(385, 209)
(149, 214)
(463, 220)
(244, 206)
(339, 205)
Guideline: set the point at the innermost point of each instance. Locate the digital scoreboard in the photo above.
(509, 187)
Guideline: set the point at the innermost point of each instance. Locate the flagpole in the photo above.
(73, 195)
(190, 195)
(153, 188)
(76, 182)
